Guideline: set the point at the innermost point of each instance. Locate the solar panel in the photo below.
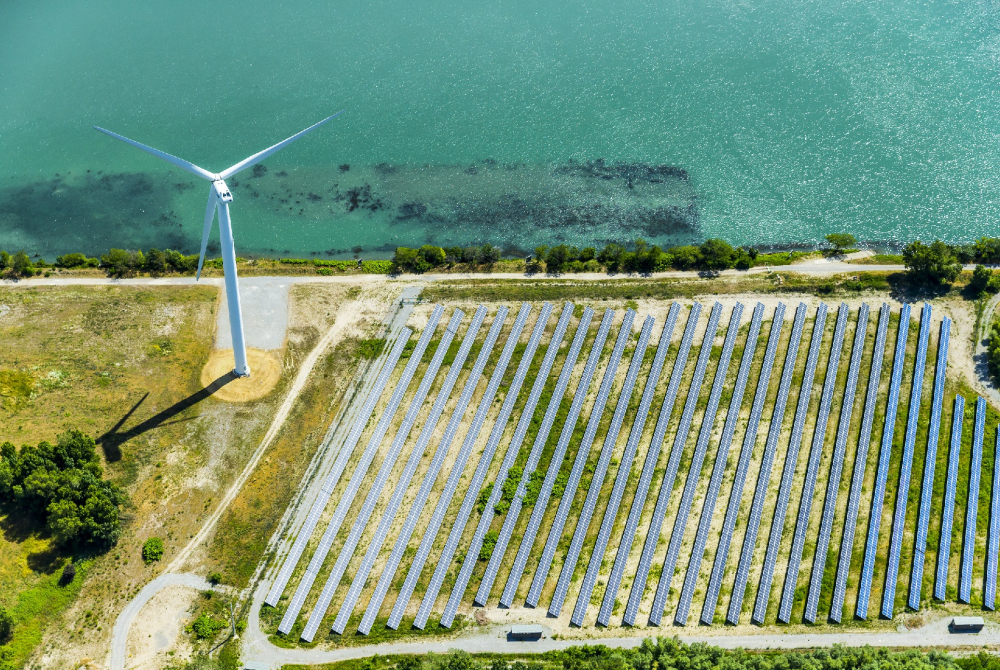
(836, 467)
(972, 505)
(990, 586)
(597, 480)
(812, 468)
(339, 464)
(743, 464)
(350, 492)
(624, 468)
(767, 463)
(582, 454)
(625, 545)
(788, 470)
(375, 491)
(670, 474)
(513, 449)
(927, 489)
(860, 465)
(514, 511)
(566, 501)
(718, 469)
(906, 469)
(327, 593)
(555, 464)
(482, 469)
(456, 471)
(950, 488)
(882, 474)
(423, 440)
(656, 443)
(361, 576)
(698, 458)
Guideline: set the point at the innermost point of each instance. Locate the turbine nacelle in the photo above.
(222, 191)
(219, 197)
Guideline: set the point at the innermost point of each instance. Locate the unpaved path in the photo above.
(119, 635)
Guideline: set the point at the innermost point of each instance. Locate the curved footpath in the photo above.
(119, 634)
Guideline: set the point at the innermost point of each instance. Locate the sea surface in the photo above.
(766, 122)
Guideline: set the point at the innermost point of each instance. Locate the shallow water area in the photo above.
(475, 122)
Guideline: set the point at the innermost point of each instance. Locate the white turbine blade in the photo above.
(258, 157)
(179, 162)
(213, 203)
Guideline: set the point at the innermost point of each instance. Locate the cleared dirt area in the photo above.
(463, 295)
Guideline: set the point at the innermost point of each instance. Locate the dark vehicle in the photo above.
(966, 624)
(525, 633)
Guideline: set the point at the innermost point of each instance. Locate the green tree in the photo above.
(931, 264)
(409, 663)
(433, 256)
(841, 241)
(686, 257)
(980, 280)
(21, 264)
(121, 263)
(717, 254)
(611, 256)
(152, 550)
(487, 254)
(987, 250)
(156, 262)
(5, 260)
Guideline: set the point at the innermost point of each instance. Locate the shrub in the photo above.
(74, 260)
(215, 578)
(484, 497)
(489, 542)
(371, 348)
(152, 550)
(68, 574)
(122, 263)
(206, 627)
(4, 260)
(6, 624)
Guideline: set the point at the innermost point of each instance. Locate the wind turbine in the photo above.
(219, 198)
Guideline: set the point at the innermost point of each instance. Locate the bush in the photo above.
(934, 264)
(152, 550)
(371, 348)
(68, 575)
(489, 542)
(487, 254)
(122, 263)
(74, 260)
(206, 627)
(215, 578)
(686, 257)
(6, 624)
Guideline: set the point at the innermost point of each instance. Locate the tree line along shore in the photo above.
(934, 263)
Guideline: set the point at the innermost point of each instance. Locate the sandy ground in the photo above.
(158, 630)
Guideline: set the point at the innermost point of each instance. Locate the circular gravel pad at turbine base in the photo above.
(265, 371)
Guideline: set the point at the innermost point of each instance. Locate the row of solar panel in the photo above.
(596, 558)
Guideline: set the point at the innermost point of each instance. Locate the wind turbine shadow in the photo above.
(112, 440)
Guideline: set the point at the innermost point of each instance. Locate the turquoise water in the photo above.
(480, 121)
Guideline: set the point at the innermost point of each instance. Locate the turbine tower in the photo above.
(219, 198)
